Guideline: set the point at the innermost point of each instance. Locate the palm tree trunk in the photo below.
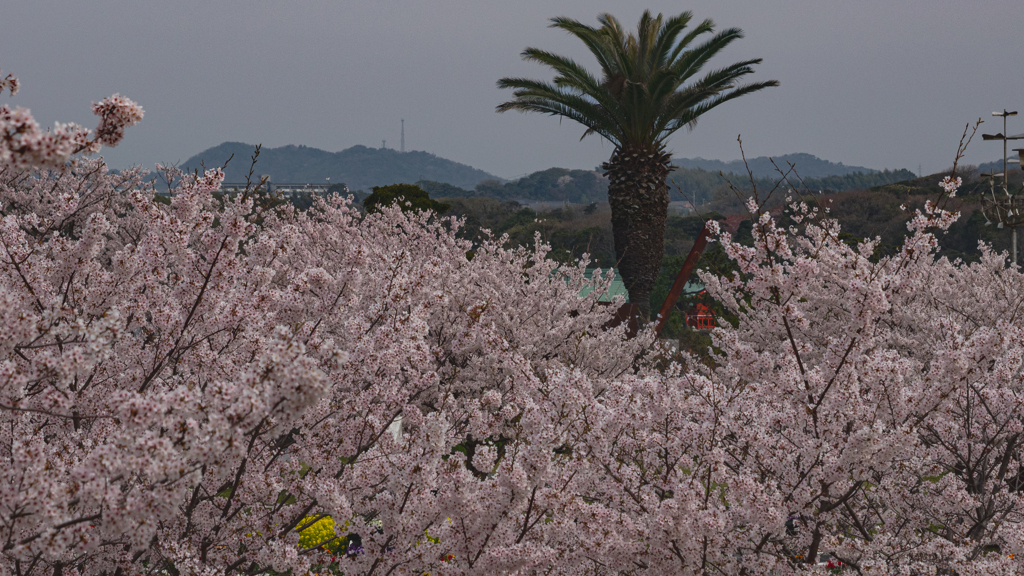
(638, 196)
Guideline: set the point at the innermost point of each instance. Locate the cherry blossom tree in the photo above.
(870, 407)
(23, 144)
(185, 385)
(195, 383)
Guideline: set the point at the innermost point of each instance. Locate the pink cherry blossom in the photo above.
(9, 83)
(116, 113)
(190, 379)
(950, 185)
(24, 145)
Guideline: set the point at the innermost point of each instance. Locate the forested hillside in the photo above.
(693, 184)
(551, 185)
(702, 186)
(359, 167)
(996, 166)
(809, 165)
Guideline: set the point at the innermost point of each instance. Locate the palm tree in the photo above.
(641, 99)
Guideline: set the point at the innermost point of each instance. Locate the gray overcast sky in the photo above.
(882, 84)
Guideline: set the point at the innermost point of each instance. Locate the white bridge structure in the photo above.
(284, 189)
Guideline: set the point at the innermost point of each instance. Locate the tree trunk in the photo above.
(638, 196)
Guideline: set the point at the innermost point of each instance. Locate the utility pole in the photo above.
(403, 134)
(1012, 205)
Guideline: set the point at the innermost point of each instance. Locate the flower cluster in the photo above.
(951, 185)
(9, 83)
(116, 113)
(24, 145)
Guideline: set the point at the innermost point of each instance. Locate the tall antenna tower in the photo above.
(403, 134)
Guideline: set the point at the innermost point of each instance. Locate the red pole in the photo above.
(684, 275)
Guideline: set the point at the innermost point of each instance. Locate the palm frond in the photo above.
(611, 25)
(572, 74)
(554, 108)
(596, 40)
(528, 84)
(724, 77)
(671, 30)
(646, 40)
(684, 103)
(594, 113)
(691, 61)
(704, 107)
(705, 27)
(645, 90)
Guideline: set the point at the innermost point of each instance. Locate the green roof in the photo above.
(617, 288)
(693, 287)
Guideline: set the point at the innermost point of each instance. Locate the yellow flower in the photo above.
(319, 532)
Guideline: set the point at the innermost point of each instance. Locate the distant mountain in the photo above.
(997, 166)
(693, 184)
(359, 167)
(807, 165)
(551, 185)
(700, 186)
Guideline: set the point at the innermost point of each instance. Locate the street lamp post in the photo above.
(1007, 211)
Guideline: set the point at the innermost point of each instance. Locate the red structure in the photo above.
(700, 317)
(677, 287)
